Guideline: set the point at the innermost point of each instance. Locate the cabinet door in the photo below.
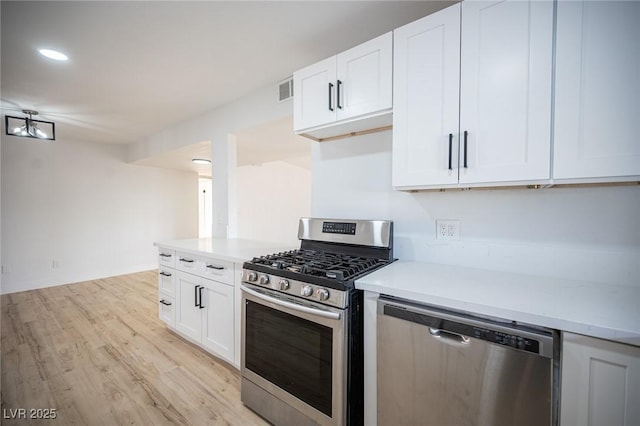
(597, 89)
(218, 328)
(505, 91)
(188, 314)
(426, 80)
(314, 100)
(600, 382)
(364, 78)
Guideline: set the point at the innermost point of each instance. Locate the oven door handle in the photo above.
(295, 307)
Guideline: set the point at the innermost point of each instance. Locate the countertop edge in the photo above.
(234, 250)
(376, 283)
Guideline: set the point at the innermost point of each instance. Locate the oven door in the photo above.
(296, 351)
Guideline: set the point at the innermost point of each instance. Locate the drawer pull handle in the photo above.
(164, 302)
(338, 95)
(165, 255)
(216, 267)
(183, 259)
(166, 274)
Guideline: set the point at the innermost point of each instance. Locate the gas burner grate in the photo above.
(338, 266)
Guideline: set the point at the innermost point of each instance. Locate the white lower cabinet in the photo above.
(205, 313)
(197, 299)
(166, 294)
(217, 331)
(600, 382)
(189, 313)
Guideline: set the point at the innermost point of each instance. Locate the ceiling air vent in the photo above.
(285, 89)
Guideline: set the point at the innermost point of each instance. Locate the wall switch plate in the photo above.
(6, 269)
(447, 229)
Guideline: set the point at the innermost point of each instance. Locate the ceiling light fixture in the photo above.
(29, 128)
(201, 161)
(53, 54)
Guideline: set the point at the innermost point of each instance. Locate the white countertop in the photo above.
(593, 309)
(233, 250)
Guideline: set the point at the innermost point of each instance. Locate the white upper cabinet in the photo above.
(505, 91)
(426, 82)
(314, 94)
(339, 94)
(477, 77)
(597, 100)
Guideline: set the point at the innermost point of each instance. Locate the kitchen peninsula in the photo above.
(198, 290)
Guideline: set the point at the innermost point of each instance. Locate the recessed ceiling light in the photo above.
(201, 161)
(53, 54)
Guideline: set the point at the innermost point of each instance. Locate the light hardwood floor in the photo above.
(97, 353)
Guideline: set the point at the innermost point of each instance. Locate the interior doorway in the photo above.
(205, 207)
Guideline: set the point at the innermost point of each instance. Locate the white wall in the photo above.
(271, 197)
(81, 205)
(218, 126)
(587, 233)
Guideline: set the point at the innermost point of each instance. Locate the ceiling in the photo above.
(138, 67)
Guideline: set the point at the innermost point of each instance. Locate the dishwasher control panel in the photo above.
(506, 339)
(462, 327)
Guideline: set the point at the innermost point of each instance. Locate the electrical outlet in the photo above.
(6, 269)
(447, 229)
(55, 264)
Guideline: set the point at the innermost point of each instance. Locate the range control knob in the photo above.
(284, 284)
(264, 279)
(323, 293)
(306, 290)
(252, 276)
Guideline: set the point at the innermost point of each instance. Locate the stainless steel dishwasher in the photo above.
(441, 368)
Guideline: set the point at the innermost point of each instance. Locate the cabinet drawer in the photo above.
(219, 270)
(211, 268)
(167, 258)
(166, 309)
(166, 281)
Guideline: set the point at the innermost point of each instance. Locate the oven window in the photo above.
(290, 352)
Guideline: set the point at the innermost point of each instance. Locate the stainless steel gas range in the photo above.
(302, 348)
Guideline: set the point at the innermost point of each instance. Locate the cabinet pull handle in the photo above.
(166, 274)
(164, 302)
(195, 296)
(200, 292)
(216, 267)
(183, 259)
(330, 93)
(164, 255)
(465, 149)
(338, 95)
(450, 150)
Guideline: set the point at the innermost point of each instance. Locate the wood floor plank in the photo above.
(97, 353)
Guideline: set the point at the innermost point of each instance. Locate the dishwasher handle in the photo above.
(456, 327)
(449, 336)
